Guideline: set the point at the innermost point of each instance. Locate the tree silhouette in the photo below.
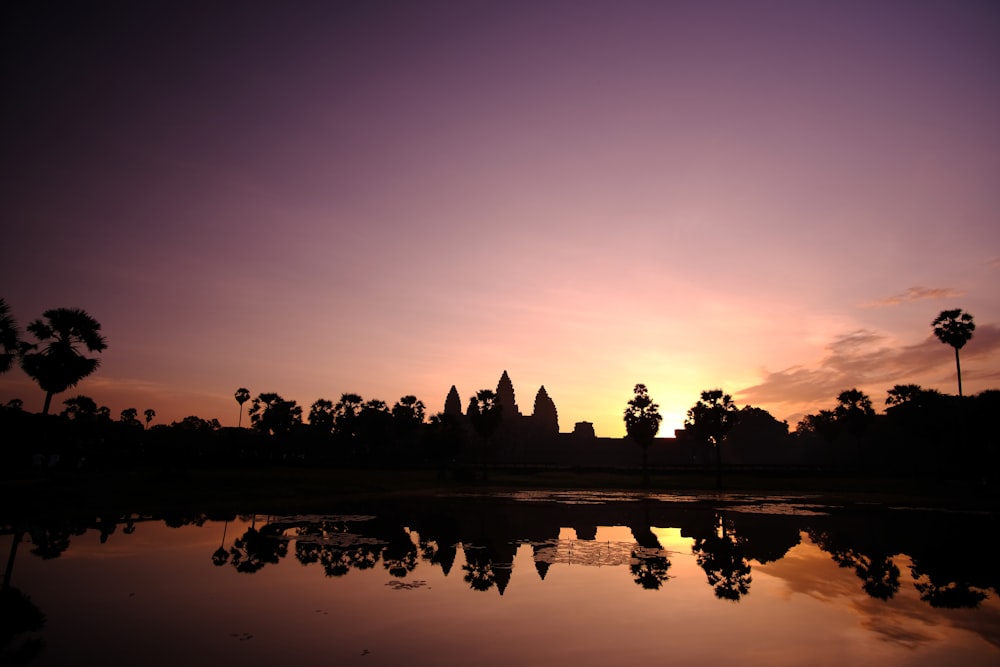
(720, 555)
(79, 408)
(321, 415)
(129, 417)
(59, 366)
(409, 409)
(854, 412)
(272, 414)
(485, 414)
(642, 422)
(710, 419)
(242, 396)
(149, 413)
(953, 327)
(10, 338)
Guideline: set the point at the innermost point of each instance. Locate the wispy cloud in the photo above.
(915, 294)
(865, 359)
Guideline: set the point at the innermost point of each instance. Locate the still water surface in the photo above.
(519, 579)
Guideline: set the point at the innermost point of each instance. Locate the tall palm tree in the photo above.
(59, 365)
(953, 327)
(642, 422)
(485, 413)
(710, 420)
(242, 396)
(10, 338)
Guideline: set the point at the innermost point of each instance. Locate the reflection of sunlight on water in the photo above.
(671, 539)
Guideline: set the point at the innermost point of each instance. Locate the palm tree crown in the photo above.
(59, 365)
(953, 327)
(10, 338)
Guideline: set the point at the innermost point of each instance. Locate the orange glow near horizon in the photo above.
(393, 202)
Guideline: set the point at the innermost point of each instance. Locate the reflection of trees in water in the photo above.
(478, 568)
(952, 560)
(864, 552)
(221, 556)
(649, 568)
(333, 544)
(18, 617)
(399, 557)
(720, 555)
(255, 549)
(50, 541)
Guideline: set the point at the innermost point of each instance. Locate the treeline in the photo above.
(921, 433)
(350, 432)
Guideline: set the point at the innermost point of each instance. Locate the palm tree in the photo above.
(953, 327)
(60, 365)
(149, 413)
(485, 413)
(710, 420)
(242, 396)
(10, 338)
(642, 423)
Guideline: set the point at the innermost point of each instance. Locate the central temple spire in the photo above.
(505, 397)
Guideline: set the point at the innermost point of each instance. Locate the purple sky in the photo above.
(388, 198)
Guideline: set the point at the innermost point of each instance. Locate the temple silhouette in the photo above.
(535, 438)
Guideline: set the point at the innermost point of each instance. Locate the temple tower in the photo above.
(453, 404)
(545, 416)
(505, 398)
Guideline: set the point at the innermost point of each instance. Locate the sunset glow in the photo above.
(775, 199)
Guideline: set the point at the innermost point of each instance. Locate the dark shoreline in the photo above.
(289, 489)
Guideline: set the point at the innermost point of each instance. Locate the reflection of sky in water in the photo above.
(154, 597)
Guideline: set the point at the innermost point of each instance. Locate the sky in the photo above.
(390, 198)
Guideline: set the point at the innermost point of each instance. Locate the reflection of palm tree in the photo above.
(255, 549)
(19, 616)
(399, 557)
(478, 568)
(878, 573)
(221, 555)
(649, 568)
(59, 365)
(720, 555)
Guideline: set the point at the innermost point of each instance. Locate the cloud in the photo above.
(915, 294)
(866, 360)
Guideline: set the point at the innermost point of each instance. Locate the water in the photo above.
(519, 579)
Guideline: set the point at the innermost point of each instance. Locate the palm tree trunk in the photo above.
(10, 558)
(645, 466)
(48, 402)
(958, 367)
(718, 465)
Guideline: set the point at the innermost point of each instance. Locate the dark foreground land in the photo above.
(289, 489)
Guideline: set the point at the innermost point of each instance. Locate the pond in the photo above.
(555, 578)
